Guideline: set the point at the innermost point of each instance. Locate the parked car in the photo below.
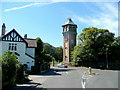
(62, 66)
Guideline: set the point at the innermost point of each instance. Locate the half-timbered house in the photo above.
(24, 48)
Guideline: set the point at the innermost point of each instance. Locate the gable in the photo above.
(13, 36)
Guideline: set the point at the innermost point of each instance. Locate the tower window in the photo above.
(66, 58)
(72, 47)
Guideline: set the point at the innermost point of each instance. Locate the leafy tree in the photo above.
(113, 54)
(9, 67)
(91, 49)
(46, 53)
(55, 52)
(49, 49)
(48, 58)
(58, 54)
(38, 52)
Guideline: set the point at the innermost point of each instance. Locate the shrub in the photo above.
(9, 67)
(21, 75)
(13, 71)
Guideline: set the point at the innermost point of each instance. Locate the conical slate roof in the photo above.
(3, 25)
(69, 22)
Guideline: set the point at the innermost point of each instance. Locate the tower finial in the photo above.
(69, 21)
(69, 17)
(3, 25)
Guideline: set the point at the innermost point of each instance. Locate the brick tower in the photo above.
(69, 39)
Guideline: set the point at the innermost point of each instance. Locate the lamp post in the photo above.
(107, 57)
(107, 46)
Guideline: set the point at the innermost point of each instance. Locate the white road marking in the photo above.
(83, 83)
(85, 78)
(66, 72)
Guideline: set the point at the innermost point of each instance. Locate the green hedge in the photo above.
(12, 70)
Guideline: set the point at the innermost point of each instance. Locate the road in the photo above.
(73, 78)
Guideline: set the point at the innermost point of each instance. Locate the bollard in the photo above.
(90, 70)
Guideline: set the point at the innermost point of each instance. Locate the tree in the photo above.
(46, 53)
(49, 49)
(91, 49)
(9, 67)
(113, 56)
(48, 58)
(55, 52)
(39, 52)
(58, 54)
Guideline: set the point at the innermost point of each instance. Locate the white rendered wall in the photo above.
(30, 51)
(21, 49)
(26, 60)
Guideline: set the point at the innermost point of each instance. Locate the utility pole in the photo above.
(107, 58)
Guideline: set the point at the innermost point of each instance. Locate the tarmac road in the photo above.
(76, 78)
(72, 78)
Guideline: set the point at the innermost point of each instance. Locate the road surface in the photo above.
(73, 78)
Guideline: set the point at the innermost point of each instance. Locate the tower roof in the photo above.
(3, 25)
(69, 22)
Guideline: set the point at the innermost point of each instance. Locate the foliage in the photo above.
(11, 70)
(39, 48)
(9, 67)
(43, 55)
(21, 75)
(48, 58)
(55, 52)
(113, 52)
(59, 54)
(93, 47)
(38, 52)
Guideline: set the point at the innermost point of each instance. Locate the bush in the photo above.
(21, 75)
(36, 70)
(12, 70)
(9, 67)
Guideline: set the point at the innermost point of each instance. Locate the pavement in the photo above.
(71, 78)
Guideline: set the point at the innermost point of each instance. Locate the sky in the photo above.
(45, 19)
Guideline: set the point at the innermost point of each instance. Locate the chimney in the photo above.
(3, 29)
(25, 36)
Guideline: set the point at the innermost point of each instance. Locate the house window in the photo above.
(9, 46)
(28, 62)
(15, 47)
(12, 46)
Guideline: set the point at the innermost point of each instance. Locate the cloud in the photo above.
(107, 18)
(33, 4)
(42, 2)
